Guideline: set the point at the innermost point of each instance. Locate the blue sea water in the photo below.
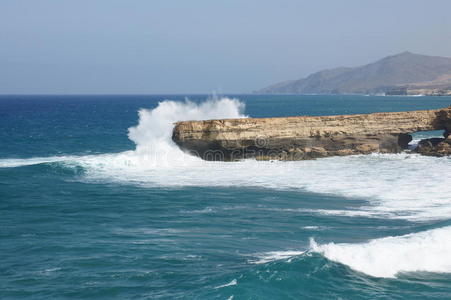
(92, 210)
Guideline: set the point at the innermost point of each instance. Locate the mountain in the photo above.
(402, 70)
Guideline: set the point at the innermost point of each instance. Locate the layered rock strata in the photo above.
(306, 137)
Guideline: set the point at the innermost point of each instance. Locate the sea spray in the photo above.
(153, 134)
(155, 126)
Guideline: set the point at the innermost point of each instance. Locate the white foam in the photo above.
(406, 186)
(426, 251)
(233, 282)
(315, 228)
(274, 256)
(20, 162)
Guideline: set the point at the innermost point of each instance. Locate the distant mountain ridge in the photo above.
(392, 72)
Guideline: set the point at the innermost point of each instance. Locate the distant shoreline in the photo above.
(224, 94)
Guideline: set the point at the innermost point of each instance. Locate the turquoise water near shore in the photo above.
(90, 209)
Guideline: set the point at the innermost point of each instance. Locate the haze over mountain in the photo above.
(401, 70)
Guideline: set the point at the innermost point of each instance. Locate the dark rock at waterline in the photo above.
(404, 139)
(435, 147)
(432, 142)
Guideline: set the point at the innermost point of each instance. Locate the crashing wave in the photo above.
(426, 251)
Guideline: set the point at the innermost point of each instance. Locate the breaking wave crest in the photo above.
(426, 251)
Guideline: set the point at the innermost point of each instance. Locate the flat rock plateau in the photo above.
(306, 137)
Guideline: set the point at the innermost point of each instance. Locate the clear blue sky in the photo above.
(203, 46)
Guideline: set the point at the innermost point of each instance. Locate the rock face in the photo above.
(298, 138)
(438, 146)
(435, 147)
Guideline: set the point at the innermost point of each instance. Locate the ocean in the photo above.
(96, 202)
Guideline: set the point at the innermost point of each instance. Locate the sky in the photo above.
(203, 46)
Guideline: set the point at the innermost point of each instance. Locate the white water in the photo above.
(405, 186)
(18, 162)
(427, 251)
(275, 255)
(233, 282)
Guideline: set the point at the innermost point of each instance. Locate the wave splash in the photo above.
(426, 251)
(152, 137)
(153, 134)
(400, 186)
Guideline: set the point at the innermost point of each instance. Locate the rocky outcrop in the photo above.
(438, 146)
(305, 137)
(435, 147)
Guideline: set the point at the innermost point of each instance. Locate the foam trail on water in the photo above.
(20, 162)
(395, 185)
(233, 282)
(275, 255)
(426, 251)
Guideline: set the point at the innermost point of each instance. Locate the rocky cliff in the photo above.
(304, 137)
